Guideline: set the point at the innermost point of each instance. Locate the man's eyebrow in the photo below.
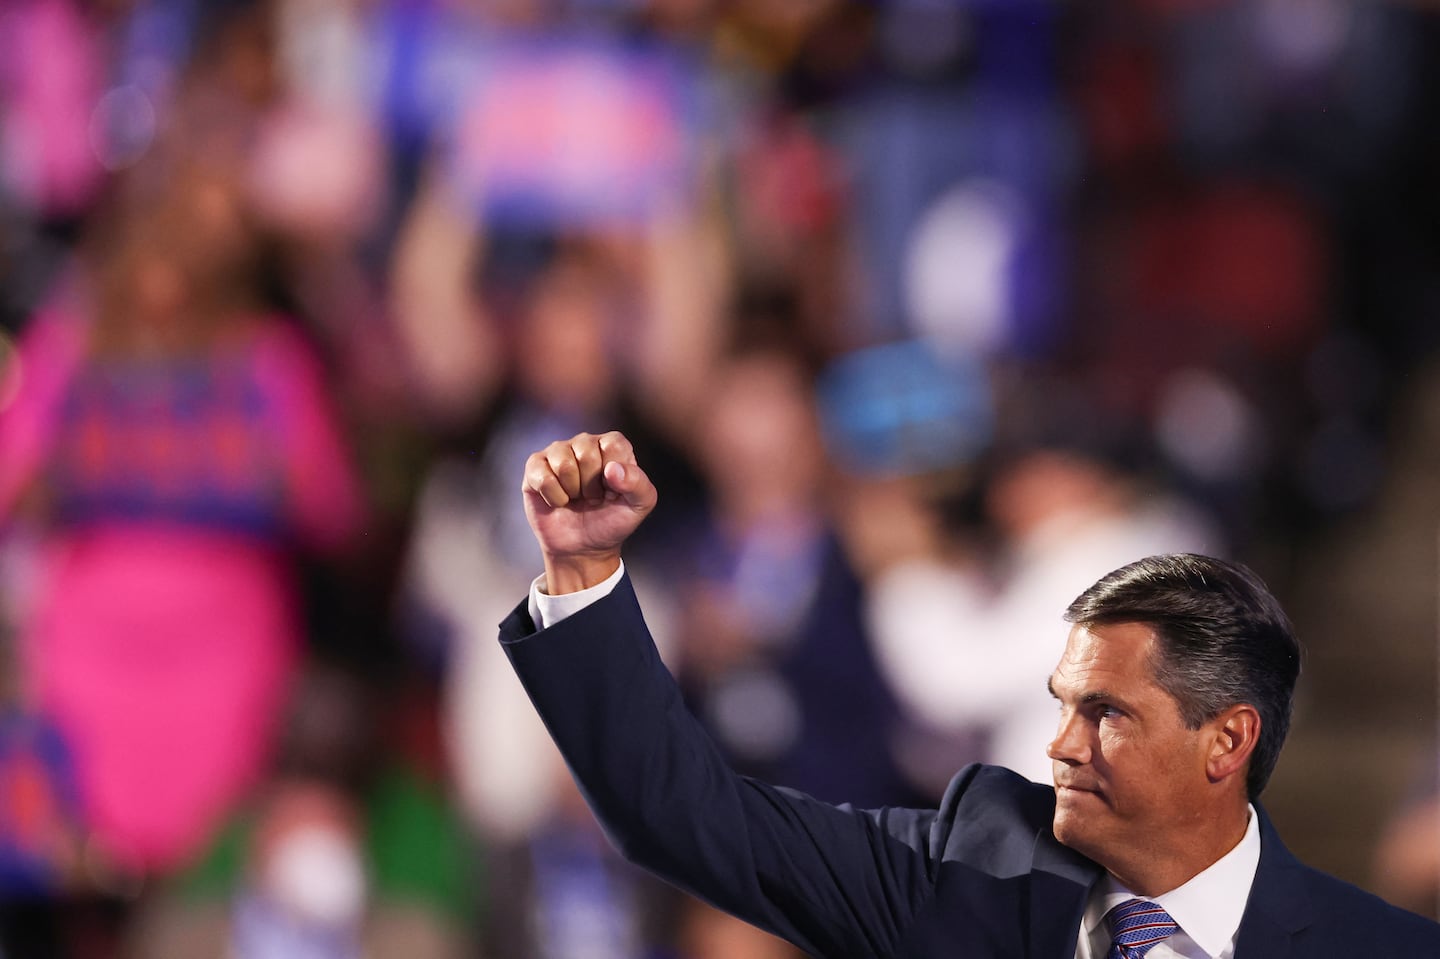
(1093, 696)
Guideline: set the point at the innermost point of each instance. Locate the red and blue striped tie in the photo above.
(1137, 926)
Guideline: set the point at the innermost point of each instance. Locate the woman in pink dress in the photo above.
(176, 445)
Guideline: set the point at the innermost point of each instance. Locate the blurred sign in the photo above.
(570, 134)
(904, 408)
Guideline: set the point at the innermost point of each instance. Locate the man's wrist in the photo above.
(547, 610)
(571, 574)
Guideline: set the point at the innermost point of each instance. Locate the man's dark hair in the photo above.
(1222, 639)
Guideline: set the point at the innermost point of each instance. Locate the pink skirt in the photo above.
(165, 658)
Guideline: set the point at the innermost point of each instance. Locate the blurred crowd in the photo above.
(922, 314)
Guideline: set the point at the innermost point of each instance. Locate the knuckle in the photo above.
(616, 442)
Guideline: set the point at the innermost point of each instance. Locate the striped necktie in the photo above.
(1137, 925)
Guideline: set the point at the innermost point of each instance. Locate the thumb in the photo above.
(629, 483)
(618, 479)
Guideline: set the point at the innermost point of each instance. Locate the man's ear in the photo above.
(1234, 735)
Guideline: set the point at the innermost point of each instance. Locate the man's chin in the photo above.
(1077, 813)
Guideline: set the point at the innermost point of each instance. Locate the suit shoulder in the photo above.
(990, 817)
(995, 786)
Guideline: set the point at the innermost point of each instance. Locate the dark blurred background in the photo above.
(923, 314)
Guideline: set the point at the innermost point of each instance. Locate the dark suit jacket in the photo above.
(981, 876)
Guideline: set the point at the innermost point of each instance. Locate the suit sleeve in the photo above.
(833, 880)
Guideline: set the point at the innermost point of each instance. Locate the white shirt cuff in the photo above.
(547, 610)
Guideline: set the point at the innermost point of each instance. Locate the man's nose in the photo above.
(1070, 746)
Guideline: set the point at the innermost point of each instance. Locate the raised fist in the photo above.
(584, 497)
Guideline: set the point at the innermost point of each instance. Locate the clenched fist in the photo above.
(584, 497)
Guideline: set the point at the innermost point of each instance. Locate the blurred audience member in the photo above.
(956, 629)
(305, 896)
(178, 443)
(346, 851)
(564, 370)
(560, 313)
(775, 653)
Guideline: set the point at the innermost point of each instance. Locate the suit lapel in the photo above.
(1060, 884)
(1279, 906)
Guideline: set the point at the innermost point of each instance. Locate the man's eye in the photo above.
(1106, 711)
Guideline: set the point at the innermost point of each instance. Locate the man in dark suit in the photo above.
(1174, 692)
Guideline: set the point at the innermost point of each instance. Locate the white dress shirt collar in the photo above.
(1208, 908)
